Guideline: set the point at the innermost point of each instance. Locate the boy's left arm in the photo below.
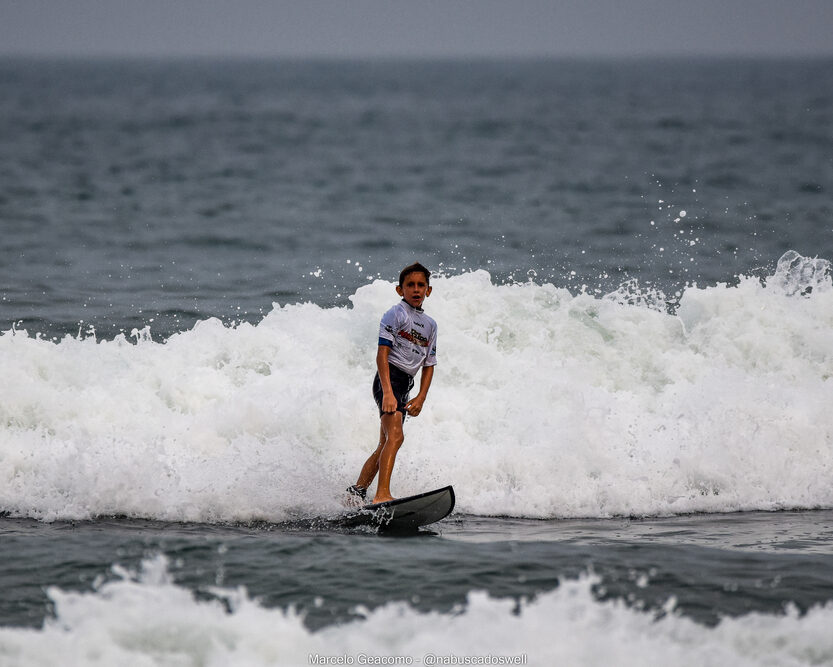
(414, 406)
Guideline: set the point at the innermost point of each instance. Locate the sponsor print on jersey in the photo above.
(414, 336)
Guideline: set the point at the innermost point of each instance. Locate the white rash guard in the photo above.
(411, 336)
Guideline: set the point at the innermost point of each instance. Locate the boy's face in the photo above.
(414, 289)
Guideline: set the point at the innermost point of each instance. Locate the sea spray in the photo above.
(148, 619)
(546, 403)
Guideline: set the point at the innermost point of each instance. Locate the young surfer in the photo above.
(407, 343)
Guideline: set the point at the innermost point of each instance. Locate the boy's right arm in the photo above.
(388, 399)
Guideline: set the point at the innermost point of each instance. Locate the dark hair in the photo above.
(416, 267)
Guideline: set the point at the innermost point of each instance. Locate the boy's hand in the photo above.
(414, 407)
(389, 403)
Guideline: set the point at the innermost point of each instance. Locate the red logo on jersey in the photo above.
(415, 337)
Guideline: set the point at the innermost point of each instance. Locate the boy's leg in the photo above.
(371, 466)
(394, 437)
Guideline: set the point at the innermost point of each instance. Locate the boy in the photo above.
(407, 342)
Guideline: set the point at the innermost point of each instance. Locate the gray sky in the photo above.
(416, 28)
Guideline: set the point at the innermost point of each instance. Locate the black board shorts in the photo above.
(401, 383)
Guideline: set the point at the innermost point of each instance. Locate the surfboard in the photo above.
(404, 514)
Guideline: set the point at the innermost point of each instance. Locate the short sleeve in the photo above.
(388, 327)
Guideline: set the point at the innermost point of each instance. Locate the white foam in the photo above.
(545, 404)
(150, 620)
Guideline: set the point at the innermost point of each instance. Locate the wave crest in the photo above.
(545, 404)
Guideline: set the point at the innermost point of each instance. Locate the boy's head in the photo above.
(415, 267)
(414, 284)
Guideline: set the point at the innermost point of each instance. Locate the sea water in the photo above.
(634, 302)
(552, 405)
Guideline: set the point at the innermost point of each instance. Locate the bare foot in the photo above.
(382, 499)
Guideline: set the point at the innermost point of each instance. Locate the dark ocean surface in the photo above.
(635, 307)
(178, 191)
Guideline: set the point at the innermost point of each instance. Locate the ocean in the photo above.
(633, 287)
